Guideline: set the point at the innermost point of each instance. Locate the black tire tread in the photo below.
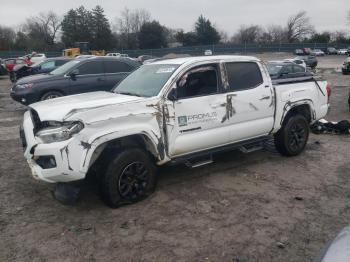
(109, 180)
(280, 136)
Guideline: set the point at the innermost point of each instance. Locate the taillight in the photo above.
(329, 90)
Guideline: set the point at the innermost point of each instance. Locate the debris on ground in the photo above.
(325, 127)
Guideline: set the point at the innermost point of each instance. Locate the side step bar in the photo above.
(199, 161)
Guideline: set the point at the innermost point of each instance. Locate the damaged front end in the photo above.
(46, 148)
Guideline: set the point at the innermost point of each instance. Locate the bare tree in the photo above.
(277, 33)
(298, 27)
(247, 34)
(130, 21)
(223, 36)
(43, 28)
(7, 37)
(128, 25)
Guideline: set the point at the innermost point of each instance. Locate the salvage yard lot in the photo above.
(244, 207)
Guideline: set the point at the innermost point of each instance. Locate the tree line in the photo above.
(136, 29)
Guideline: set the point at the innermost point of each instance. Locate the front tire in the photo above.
(292, 138)
(129, 178)
(50, 95)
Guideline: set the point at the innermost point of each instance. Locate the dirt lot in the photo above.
(237, 209)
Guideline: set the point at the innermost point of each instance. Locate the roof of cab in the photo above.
(194, 59)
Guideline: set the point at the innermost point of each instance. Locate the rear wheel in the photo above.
(291, 139)
(129, 178)
(51, 95)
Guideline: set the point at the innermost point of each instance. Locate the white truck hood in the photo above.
(59, 109)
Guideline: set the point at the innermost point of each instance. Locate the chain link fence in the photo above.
(199, 50)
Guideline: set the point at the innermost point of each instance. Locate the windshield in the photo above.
(147, 81)
(274, 68)
(65, 68)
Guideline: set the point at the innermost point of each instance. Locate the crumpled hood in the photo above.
(60, 109)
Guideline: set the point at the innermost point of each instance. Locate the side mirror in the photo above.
(74, 73)
(172, 96)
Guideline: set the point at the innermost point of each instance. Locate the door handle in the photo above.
(100, 79)
(265, 98)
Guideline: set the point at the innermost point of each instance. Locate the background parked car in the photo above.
(297, 61)
(285, 69)
(331, 51)
(346, 67)
(298, 52)
(76, 76)
(343, 51)
(11, 62)
(113, 54)
(310, 60)
(143, 58)
(318, 52)
(35, 58)
(3, 70)
(42, 67)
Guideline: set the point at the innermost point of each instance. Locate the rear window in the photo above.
(243, 75)
(117, 67)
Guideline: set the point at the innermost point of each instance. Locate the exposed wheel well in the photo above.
(303, 110)
(105, 151)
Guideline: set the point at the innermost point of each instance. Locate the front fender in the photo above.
(155, 139)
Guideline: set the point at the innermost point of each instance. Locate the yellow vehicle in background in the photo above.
(82, 48)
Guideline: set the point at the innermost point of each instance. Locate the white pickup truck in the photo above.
(170, 111)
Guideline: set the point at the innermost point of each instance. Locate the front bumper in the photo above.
(25, 99)
(69, 156)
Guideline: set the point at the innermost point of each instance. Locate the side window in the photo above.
(287, 69)
(117, 67)
(298, 69)
(90, 68)
(243, 75)
(61, 62)
(199, 81)
(48, 65)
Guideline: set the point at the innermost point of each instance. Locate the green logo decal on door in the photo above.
(182, 120)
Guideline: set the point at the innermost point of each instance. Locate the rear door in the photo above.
(250, 98)
(115, 71)
(90, 78)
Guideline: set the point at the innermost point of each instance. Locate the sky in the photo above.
(227, 15)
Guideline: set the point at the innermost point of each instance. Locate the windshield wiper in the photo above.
(128, 94)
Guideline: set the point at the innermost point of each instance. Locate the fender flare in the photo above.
(154, 143)
(291, 105)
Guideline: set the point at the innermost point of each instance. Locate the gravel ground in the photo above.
(244, 207)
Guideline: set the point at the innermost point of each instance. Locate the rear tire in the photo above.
(130, 177)
(292, 138)
(50, 95)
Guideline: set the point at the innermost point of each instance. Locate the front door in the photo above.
(90, 77)
(195, 118)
